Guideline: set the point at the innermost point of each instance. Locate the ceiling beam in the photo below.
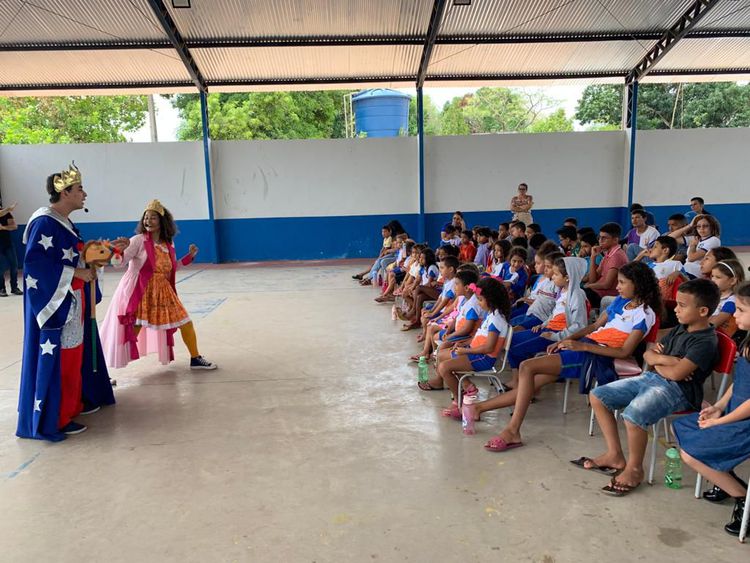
(348, 41)
(175, 38)
(697, 10)
(438, 9)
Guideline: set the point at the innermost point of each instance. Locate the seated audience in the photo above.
(602, 279)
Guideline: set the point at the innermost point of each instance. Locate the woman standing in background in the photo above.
(521, 204)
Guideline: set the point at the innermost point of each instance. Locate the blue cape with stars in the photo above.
(52, 254)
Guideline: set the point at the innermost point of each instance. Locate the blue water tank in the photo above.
(381, 112)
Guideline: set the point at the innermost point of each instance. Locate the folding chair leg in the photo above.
(461, 386)
(722, 386)
(698, 486)
(565, 396)
(652, 465)
(745, 518)
(591, 422)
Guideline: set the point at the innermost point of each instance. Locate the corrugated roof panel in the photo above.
(309, 18)
(727, 15)
(674, 78)
(531, 58)
(91, 67)
(720, 53)
(279, 63)
(50, 21)
(497, 17)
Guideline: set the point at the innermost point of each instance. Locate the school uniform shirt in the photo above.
(643, 239)
(482, 254)
(493, 322)
(727, 305)
(500, 270)
(455, 241)
(694, 268)
(429, 274)
(557, 319)
(664, 269)
(621, 322)
(415, 269)
(517, 281)
(469, 310)
(544, 293)
(448, 290)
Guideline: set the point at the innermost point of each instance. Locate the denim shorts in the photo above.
(643, 400)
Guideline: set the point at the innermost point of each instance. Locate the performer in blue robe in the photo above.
(56, 373)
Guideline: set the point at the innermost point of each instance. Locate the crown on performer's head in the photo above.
(67, 178)
(155, 206)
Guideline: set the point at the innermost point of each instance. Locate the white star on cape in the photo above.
(69, 254)
(31, 282)
(38, 405)
(47, 347)
(46, 242)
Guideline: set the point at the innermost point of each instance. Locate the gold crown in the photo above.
(67, 178)
(155, 206)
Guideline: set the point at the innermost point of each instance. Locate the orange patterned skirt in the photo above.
(160, 308)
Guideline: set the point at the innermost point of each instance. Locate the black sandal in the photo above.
(425, 386)
(603, 469)
(617, 489)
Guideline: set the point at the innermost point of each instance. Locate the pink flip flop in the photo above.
(497, 444)
(452, 412)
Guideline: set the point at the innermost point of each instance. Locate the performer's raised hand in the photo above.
(121, 243)
(193, 250)
(85, 274)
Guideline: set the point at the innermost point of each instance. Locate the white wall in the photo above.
(120, 179)
(315, 178)
(673, 166)
(563, 170)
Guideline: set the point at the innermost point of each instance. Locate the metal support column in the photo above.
(214, 257)
(420, 145)
(631, 123)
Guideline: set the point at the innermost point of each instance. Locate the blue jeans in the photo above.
(643, 400)
(381, 262)
(9, 261)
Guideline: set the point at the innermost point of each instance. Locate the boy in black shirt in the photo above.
(679, 365)
(8, 260)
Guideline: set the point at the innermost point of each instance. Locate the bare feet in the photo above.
(606, 460)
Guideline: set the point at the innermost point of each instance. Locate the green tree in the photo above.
(431, 116)
(501, 110)
(669, 106)
(264, 115)
(555, 122)
(70, 119)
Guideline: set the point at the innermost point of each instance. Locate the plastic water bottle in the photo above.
(424, 374)
(467, 416)
(673, 469)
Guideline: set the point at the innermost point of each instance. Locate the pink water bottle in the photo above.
(467, 415)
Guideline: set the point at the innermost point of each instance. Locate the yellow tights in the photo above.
(187, 331)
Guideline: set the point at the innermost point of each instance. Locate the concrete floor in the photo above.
(312, 444)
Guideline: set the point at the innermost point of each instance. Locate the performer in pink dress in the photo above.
(145, 311)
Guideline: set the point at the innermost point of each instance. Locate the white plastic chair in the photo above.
(491, 374)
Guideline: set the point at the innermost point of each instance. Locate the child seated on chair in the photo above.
(516, 276)
(486, 344)
(467, 250)
(442, 307)
(482, 256)
(717, 439)
(660, 257)
(398, 272)
(426, 277)
(454, 328)
(567, 316)
(499, 266)
(615, 335)
(727, 275)
(679, 365)
(543, 293)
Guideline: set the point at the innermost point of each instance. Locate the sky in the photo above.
(167, 118)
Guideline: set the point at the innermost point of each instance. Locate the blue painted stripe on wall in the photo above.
(314, 238)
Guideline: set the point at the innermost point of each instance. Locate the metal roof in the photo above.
(56, 46)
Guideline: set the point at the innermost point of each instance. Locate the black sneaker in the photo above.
(199, 362)
(73, 428)
(3, 293)
(90, 409)
(734, 527)
(16, 291)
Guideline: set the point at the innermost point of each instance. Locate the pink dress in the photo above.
(119, 343)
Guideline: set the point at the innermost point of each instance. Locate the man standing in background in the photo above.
(8, 259)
